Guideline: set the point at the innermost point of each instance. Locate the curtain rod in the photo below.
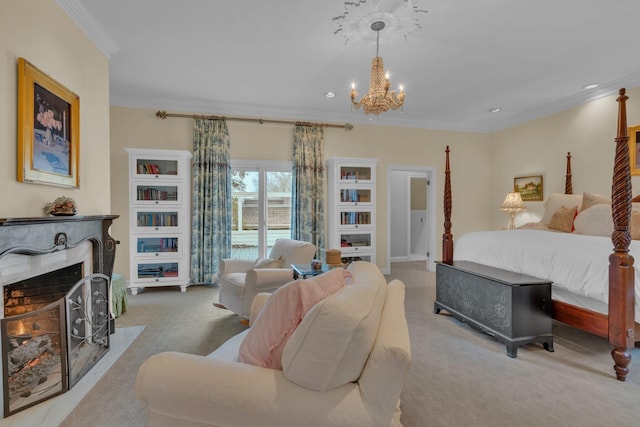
(163, 115)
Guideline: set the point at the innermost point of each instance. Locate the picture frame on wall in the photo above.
(48, 129)
(634, 149)
(529, 187)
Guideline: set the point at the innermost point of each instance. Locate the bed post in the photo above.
(621, 270)
(447, 237)
(568, 188)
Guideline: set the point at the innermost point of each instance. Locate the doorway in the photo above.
(411, 215)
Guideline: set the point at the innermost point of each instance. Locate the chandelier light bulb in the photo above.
(379, 98)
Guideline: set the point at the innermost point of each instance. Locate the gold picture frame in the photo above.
(529, 187)
(634, 149)
(48, 129)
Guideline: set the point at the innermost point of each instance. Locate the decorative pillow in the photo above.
(269, 263)
(281, 315)
(589, 200)
(562, 219)
(557, 200)
(634, 227)
(333, 341)
(595, 221)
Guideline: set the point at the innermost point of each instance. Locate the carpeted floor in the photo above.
(458, 376)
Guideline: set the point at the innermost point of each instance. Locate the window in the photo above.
(261, 206)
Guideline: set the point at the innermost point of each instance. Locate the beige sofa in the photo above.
(344, 365)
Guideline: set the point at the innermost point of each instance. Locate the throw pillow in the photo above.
(557, 200)
(281, 315)
(634, 227)
(589, 200)
(269, 263)
(333, 341)
(562, 219)
(595, 221)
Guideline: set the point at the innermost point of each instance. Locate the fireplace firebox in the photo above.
(55, 276)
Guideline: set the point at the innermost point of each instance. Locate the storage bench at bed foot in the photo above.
(513, 308)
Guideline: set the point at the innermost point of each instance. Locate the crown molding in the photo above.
(83, 19)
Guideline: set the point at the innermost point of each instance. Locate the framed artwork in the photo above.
(634, 149)
(529, 187)
(48, 129)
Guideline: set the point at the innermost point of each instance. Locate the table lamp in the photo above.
(512, 205)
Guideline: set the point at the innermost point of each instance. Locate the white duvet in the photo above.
(576, 264)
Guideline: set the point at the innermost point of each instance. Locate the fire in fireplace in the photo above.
(56, 327)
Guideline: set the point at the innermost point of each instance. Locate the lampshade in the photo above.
(513, 203)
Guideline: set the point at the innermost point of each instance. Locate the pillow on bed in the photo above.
(595, 221)
(556, 201)
(562, 219)
(634, 227)
(589, 200)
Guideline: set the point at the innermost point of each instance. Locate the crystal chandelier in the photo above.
(379, 98)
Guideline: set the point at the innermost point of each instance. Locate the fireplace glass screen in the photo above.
(34, 357)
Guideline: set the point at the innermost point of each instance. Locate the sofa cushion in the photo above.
(270, 263)
(293, 251)
(331, 345)
(282, 314)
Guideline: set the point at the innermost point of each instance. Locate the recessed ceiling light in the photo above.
(591, 86)
(329, 95)
(494, 109)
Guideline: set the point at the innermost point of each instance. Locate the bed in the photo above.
(594, 289)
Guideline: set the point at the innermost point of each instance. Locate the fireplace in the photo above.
(55, 276)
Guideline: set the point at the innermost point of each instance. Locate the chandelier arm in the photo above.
(379, 98)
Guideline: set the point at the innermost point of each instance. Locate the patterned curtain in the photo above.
(211, 207)
(307, 215)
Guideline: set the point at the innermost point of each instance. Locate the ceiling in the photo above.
(276, 59)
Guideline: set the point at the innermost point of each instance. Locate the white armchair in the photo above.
(345, 365)
(240, 282)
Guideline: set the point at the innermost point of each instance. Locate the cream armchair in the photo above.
(343, 366)
(240, 282)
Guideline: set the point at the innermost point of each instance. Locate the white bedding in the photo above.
(578, 265)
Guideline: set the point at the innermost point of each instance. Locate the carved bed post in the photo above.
(621, 270)
(447, 237)
(568, 188)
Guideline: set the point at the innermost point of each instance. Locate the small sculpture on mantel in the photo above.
(62, 206)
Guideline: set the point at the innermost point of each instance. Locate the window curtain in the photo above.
(211, 206)
(307, 215)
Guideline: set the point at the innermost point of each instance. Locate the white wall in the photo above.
(40, 32)
(132, 127)
(540, 147)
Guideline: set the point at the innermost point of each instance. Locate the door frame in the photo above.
(429, 172)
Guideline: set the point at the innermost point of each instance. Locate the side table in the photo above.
(305, 270)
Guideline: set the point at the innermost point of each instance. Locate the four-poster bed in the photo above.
(617, 321)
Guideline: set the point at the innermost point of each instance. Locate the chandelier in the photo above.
(379, 98)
